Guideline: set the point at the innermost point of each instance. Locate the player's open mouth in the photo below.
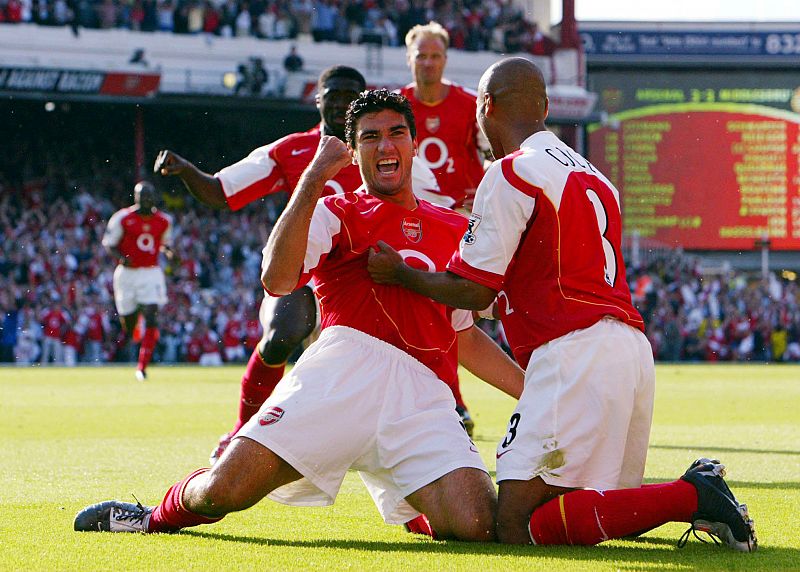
(388, 165)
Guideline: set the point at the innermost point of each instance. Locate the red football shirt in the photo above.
(138, 237)
(233, 333)
(54, 322)
(343, 229)
(447, 135)
(277, 167)
(545, 232)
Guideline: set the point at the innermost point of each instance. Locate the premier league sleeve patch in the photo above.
(472, 226)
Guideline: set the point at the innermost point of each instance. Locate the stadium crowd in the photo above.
(56, 293)
(57, 302)
(474, 25)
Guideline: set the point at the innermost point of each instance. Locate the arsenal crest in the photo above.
(432, 123)
(412, 228)
(270, 416)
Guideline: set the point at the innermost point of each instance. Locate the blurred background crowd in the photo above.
(57, 306)
(474, 25)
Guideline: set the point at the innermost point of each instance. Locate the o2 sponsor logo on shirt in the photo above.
(270, 416)
(472, 226)
(146, 242)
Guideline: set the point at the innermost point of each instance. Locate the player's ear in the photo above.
(317, 100)
(488, 103)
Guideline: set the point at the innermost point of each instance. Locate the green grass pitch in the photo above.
(71, 437)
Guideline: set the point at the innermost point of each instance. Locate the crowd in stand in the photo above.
(474, 25)
(693, 315)
(56, 282)
(57, 302)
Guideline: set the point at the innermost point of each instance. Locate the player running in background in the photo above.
(134, 237)
(446, 129)
(379, 360)
(288, 320)
(544, 239)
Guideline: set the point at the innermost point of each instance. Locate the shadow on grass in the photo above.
(707, 450)
(643, 553)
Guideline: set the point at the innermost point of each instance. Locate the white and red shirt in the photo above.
(278, 166)
(343, 229)
(545, 232)
(447, 138)
(138, 236)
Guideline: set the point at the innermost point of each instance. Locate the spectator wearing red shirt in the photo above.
(54, 325)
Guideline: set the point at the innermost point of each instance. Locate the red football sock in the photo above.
(149, 341)
(138, 329)
(421, 525)
(258, 381)
(171, 515)
(455, 387)
(588, 517)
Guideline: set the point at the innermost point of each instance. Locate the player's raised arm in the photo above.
(484, 358)
(286, 246)
(204, 187)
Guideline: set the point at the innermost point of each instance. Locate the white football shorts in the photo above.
(584, 417)
(355, 402)
(138, 286)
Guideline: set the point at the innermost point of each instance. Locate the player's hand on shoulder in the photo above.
(169, 163)
(383, 264)
(332, 156)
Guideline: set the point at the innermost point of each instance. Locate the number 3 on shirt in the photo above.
(602, 224)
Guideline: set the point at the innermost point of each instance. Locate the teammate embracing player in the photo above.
(544, 239)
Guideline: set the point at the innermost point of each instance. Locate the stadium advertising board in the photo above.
(735, 43)
(88, 82)
(703, 160)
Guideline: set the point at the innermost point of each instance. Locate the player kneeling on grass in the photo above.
(544, 239)
(379, 361)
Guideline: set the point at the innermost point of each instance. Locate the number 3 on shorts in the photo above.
(512, 430)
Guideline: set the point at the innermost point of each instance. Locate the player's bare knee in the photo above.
(479, 527)
(513, 531)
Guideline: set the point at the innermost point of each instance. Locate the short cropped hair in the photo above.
(430, 29)
(344, 72)
(372, 102)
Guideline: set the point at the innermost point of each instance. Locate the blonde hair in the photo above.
(430, 29)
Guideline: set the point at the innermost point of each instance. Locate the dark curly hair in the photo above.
(372, 101)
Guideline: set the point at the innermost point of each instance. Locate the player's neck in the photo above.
(145, 212)
(404, 199)
(433, 93)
